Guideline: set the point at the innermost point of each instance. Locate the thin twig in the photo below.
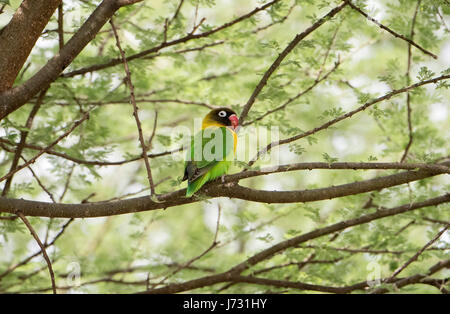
(408, 81)
(22, 73)
(27, 259)
(40, 182)
(415, 256)
(184, 39)
(197, 26)
(90, 162)
(212, 246)
(316, 82)
(283, 55)
(2, 8)
(117, 198)
(66, 185)
(61, 26)
(347, 115)
(280, 21)
(44, 252)
(395, 34)
(152, 136)
(49, 147)
(168, 21)
(405, 227)
(177, 11)
(135, 110)
(23, 138)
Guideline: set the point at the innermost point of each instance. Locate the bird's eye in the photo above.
(222, 114)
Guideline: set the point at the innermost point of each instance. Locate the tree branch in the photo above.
(135, 110)
(408, 81)
(347, 115)
(213, 189)
(44, 252)
(23, 138)
(174, 42)
(29, 20)
(395, 34)
(316, 82)
(14, 98)
(60, 138)
(89, 162)
(415, 256)
(283, 55)
(61, 26)
(233, 274)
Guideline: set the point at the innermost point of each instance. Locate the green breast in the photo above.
(219, 169)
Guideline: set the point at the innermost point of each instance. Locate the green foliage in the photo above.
(223, 69)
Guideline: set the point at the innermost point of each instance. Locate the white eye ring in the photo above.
(222, 114)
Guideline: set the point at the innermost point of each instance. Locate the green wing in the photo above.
(207, 157)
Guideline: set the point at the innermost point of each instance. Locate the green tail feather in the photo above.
(196, 185)
(216, 171)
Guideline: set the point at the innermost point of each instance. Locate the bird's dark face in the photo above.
(222, 116)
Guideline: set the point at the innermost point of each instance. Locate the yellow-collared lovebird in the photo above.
(211, 149)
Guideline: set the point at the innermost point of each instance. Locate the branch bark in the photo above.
(19, 36)
(234, 274)
(213, 189)
(12, 99)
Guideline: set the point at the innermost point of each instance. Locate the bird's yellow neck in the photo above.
(208, 123)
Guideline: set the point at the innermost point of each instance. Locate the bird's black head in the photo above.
(221, 116)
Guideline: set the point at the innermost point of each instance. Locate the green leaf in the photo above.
(328, 158)
(425, 74)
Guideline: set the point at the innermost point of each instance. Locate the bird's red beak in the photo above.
(234, 121)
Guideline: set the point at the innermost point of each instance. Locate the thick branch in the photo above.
(234, 273)
(20, 35)
(213, 189)
(14, 98)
